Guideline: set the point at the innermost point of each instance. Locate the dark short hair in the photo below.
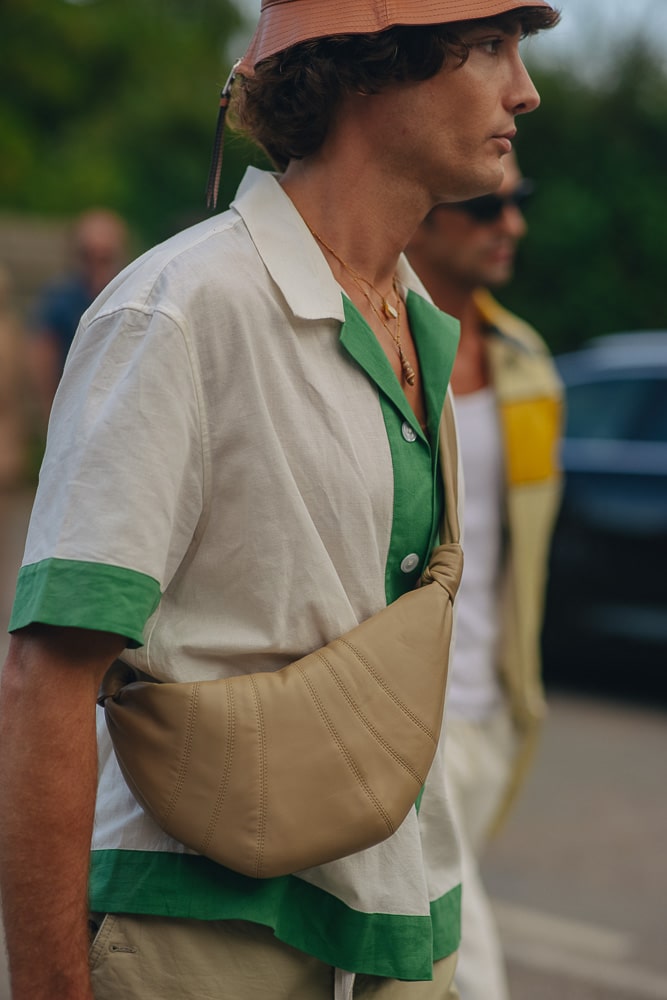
(289, 103)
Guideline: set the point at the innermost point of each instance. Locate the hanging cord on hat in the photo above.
(213, 183)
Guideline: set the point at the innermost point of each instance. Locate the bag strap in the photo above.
(449, 468)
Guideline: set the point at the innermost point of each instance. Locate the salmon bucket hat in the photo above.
(283, 23)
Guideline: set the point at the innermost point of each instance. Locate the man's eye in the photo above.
(491, 45)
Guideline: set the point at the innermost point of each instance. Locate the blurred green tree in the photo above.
(114, 102)
(595, 257)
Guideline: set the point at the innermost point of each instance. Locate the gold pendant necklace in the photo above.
(386, 312)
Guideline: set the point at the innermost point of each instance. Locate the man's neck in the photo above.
(470, 368)
(364, 210)
(360, 232)
(362, 216)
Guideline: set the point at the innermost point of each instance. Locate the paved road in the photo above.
(579, 874)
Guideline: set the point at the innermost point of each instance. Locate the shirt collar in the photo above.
(291, 254)
(287, 248)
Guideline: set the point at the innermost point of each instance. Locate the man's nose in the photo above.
(512, 220)
(525, 97)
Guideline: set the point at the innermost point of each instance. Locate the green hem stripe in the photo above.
(85, 595)
(446, 917)
(307, 918)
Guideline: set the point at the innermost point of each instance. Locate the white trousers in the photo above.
(479, 758)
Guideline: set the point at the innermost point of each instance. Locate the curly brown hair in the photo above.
(287, 106)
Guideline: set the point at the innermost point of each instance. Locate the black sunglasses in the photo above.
(490, 207)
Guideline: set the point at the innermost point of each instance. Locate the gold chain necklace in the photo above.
(388, 310)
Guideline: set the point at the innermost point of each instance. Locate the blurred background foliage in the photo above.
(595, 258)
(114, 102)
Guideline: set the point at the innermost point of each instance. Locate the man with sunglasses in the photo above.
(99, 249)
(508, 411)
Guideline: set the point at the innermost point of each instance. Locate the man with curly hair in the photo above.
(243, 465)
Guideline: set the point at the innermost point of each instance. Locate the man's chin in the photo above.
(496, 277)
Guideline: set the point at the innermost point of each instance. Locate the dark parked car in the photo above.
(606, 615)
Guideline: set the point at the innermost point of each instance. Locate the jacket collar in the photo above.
(499, 322)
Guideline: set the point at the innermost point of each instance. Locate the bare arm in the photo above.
(48, 776)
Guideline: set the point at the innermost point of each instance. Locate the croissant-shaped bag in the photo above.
(271, 773)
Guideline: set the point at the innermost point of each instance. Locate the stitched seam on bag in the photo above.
(261, 824)
(187, 749)
(345, 752)
(379, 738)
(380, 681)
(227, 770)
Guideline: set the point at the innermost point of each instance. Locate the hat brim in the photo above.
(284, 23)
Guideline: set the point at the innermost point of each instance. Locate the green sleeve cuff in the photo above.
(85, 595)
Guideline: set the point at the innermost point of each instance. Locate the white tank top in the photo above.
(474, 690)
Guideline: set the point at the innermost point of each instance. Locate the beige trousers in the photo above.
(157, 958)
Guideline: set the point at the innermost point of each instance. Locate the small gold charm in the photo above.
(389, 310)
(406, 368)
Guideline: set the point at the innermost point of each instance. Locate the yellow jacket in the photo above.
(530, 407)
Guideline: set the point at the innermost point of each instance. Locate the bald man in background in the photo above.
(100, 249)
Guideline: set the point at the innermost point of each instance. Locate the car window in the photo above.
(653, 426)
(625, 408)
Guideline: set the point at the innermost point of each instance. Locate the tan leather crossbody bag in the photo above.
(272, 773)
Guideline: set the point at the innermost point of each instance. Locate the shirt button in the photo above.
(408, 433)
(410, 563)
